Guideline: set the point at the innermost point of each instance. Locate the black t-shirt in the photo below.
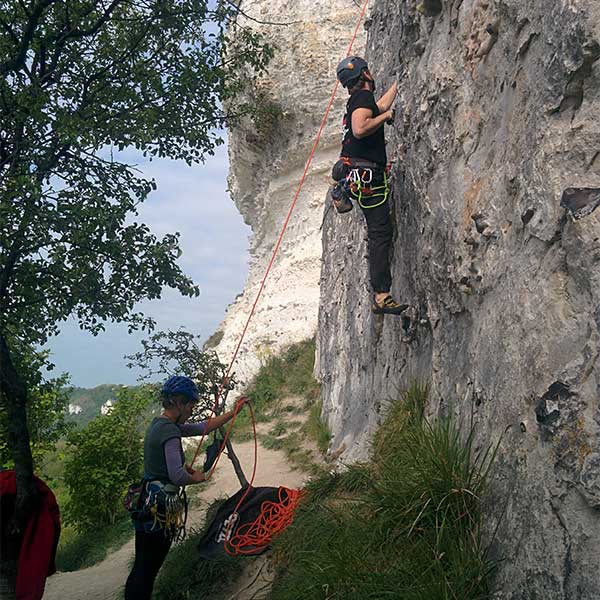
(371, 147)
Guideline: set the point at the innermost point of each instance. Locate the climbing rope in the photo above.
(288, 510)
(274, 517)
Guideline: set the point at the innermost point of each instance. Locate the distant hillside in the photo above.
(86, 403)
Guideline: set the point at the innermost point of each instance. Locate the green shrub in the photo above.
(103, 458)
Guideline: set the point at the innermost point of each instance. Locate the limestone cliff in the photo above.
(267, 158)
(499, 112)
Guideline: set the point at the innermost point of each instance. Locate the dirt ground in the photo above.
(105, 580)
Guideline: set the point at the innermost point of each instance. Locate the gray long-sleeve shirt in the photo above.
(163, 452)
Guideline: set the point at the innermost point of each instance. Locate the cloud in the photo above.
(214, 241)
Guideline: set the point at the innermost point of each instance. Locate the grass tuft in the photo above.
(185, 575)
(405, 525)
(317, 429)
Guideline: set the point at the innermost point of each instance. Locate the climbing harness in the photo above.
(157, 505)
(361, 180)
(166, 506)
(362, 190)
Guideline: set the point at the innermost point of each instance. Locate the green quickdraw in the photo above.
(360, 188)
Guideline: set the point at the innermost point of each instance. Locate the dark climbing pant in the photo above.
(379, 233)
(151, 549)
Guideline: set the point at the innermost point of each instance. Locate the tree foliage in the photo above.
(167, 353)
(105, 457)
(82, 82)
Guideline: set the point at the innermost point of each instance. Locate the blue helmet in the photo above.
(178, 384)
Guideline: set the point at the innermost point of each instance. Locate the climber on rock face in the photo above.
(362, 171)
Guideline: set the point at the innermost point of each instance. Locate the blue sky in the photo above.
(214, 239)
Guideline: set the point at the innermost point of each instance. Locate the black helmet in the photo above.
(350, 69)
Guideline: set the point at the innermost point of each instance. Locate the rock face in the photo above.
(500, 102)
(268, 156)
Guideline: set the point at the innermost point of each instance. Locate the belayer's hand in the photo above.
(198, 476)
(241, 401)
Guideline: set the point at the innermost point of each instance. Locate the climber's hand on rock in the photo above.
(391, 116)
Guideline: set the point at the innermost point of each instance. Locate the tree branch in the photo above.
(18, 61)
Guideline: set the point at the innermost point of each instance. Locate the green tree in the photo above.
(105, 457)
(81, 81)
(178, 352)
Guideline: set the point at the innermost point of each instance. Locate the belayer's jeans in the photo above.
(379, 233)
(151, 549)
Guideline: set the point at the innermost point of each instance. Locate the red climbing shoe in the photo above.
(388, 306)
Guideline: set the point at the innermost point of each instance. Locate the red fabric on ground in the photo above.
(40, 538)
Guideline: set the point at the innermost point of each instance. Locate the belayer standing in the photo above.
(362, 172)
(160, 517)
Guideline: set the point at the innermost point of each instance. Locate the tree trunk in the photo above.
(237, 467)
(13, 394)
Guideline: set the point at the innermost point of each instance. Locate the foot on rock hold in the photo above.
(388, 306)
(430, 8)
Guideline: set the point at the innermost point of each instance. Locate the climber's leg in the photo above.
(380, 234)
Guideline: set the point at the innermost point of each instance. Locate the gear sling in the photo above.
(362, 180)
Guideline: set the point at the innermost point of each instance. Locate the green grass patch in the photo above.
(214, 339)
(405, 525)
(289, 374)
(316, 429)
(280, 428)
(270, 442)
(81, 549)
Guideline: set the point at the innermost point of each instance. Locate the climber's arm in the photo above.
(365, 124)
(385, 102)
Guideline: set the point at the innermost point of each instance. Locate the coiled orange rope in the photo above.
(274, 517)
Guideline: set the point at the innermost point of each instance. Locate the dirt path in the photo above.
(105, 580)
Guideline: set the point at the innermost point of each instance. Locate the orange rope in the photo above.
(258, 295)
(276, 249)
(274, 517)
